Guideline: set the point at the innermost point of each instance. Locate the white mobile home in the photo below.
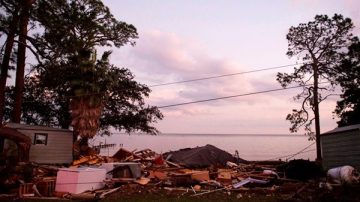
(48, 145)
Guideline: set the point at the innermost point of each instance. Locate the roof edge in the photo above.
(342, 129)
(20, 126)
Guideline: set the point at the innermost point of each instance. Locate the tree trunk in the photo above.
(6, 61)
(19, 83)
(316, 113)
(85, 116)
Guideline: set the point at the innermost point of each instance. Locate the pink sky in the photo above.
(180, 40)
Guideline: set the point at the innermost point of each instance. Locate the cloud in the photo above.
(161, 57)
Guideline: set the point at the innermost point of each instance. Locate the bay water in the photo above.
(249, 146)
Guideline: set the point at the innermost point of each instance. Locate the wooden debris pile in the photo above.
(89, 160)
(150, 172)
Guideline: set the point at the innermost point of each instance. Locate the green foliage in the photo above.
(70, 32)
(41, 106)
(319, 45)
(124, 107)
(74, 25)
(348, 108)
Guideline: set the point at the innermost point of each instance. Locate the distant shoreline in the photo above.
(251, 146)
(216, 134)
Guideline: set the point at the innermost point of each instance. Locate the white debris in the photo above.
(343, 175)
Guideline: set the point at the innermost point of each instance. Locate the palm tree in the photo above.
(86, 104)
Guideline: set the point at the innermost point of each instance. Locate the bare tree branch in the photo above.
(35, 53)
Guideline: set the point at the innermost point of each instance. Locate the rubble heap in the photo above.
(190, 172)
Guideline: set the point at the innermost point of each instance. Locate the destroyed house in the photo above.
(47, 145)
(341, 146)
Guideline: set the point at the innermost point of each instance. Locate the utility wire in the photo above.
(233, 96)
(223, 75)
(193, 80)
(292, 155)
(295, 154)
(301, 151)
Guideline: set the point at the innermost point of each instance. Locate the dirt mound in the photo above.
(201, 157)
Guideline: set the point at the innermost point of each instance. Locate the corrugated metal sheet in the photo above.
(340, 148)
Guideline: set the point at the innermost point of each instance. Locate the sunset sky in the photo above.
(182, 40)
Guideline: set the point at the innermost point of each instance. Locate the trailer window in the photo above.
(40, 138)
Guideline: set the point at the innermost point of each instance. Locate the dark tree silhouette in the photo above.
(24, 16)
(69, 77)
(124, 109)
(318, 44)
(348, 108)
(9, 24)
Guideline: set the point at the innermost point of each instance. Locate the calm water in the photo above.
(250, 147)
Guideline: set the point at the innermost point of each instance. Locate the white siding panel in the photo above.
(58, 148)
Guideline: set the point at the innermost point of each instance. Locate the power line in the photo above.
(233, 96)
(297, 153)
(288, 157)
(303, 150)
(223, 75)
(191, 80)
